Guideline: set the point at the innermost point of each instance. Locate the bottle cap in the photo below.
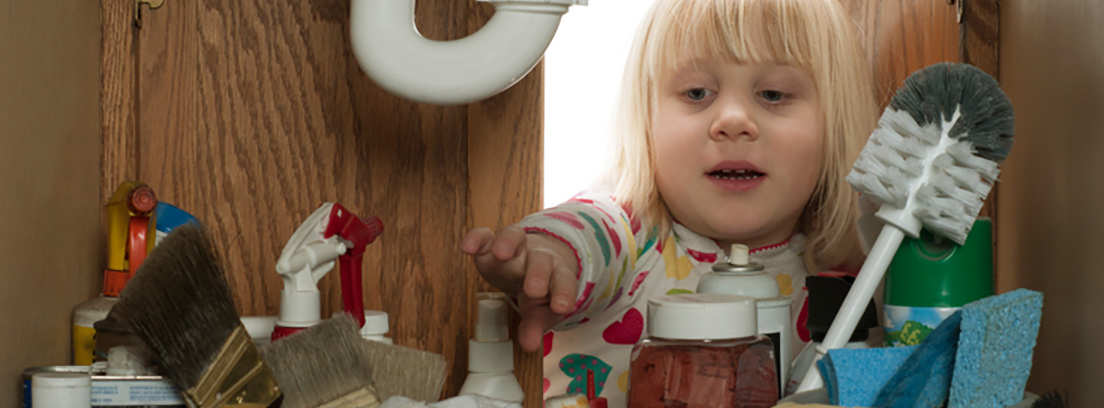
(932, 272)
(702, 316)
(375, 323)
(593, 400)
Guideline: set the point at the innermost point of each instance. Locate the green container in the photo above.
(929, 279)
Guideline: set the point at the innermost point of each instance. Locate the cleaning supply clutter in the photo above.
(181, 307)
(930, 163)
(702, 350)
(330, 235)
(826, 294)
(737, 276)
(980, 357)
(133, 216)
(491, 353)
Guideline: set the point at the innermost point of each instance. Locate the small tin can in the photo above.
(112, 390)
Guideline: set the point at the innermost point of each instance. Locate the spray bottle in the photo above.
(129, 225)
(330, 235)
(491, 353)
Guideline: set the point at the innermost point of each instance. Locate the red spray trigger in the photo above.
(359, 232)
(593, 401)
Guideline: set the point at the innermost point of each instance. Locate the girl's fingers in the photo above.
(477, 242)
(536, 319)
(538, 272)
(509, 243)
(563, 290)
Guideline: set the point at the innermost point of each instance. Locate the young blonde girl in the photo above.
(739, 121)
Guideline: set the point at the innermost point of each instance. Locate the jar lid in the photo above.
(702, 316)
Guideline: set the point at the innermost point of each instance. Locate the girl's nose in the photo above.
(732, 121)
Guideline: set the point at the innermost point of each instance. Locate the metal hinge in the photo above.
(153, 4)
(961, 6)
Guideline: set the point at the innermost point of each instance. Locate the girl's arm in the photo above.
(600, 236)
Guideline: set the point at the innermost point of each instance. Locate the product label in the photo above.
(907, 326)
(127, 393)
(84, 345)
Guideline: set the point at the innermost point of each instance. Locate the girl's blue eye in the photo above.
(772, 96)
(697, 94)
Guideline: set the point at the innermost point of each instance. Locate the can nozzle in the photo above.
(738, 255)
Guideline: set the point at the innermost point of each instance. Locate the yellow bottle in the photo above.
(130, 236)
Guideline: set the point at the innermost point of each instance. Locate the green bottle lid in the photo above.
(931, 271)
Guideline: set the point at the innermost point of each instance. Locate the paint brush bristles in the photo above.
(179, 304)
(325, 365)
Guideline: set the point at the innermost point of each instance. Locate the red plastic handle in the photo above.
(361, 232)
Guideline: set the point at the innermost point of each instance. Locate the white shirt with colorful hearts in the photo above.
(620, 267)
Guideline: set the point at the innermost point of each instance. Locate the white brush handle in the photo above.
(856, 301)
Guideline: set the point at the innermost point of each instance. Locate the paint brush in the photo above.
(179, 304)
(325, 366)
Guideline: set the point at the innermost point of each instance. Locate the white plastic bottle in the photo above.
(376, 326)
(491, 353)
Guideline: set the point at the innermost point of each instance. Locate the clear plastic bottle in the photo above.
(703, 351)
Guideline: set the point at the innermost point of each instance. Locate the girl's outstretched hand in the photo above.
(537, 269)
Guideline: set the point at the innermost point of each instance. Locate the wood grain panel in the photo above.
(252, 113)
(505, 162)
(118, 98)
(903, 36)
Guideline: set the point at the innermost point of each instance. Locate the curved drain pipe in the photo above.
(390, 50)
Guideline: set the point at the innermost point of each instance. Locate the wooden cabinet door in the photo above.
(251, 113)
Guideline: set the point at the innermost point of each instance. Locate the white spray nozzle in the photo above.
(738, 255)
(306, 258)
(491, 320)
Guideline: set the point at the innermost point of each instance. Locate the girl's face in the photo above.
(738, 148)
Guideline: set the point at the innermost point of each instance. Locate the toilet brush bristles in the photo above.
(936, 151)
(179, 304)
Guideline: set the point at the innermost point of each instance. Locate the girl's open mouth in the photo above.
(736, 174)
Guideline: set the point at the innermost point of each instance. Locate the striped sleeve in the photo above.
(602, 236)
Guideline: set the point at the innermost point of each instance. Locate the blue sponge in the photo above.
(994, 352)
(854, 376)
(924, 380)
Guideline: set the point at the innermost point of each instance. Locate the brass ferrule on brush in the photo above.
(237, 378)
(361, 398)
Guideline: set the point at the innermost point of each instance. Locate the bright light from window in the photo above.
(582, 74)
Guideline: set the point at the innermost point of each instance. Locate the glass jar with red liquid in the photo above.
(703, 351)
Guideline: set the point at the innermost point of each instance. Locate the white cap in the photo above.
(491, 320)
(738, 255)
(702, 316)
(259, 327)
(61, 390)
(375, 323)
(490, 349)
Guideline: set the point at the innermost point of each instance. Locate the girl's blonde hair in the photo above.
(816, 35)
